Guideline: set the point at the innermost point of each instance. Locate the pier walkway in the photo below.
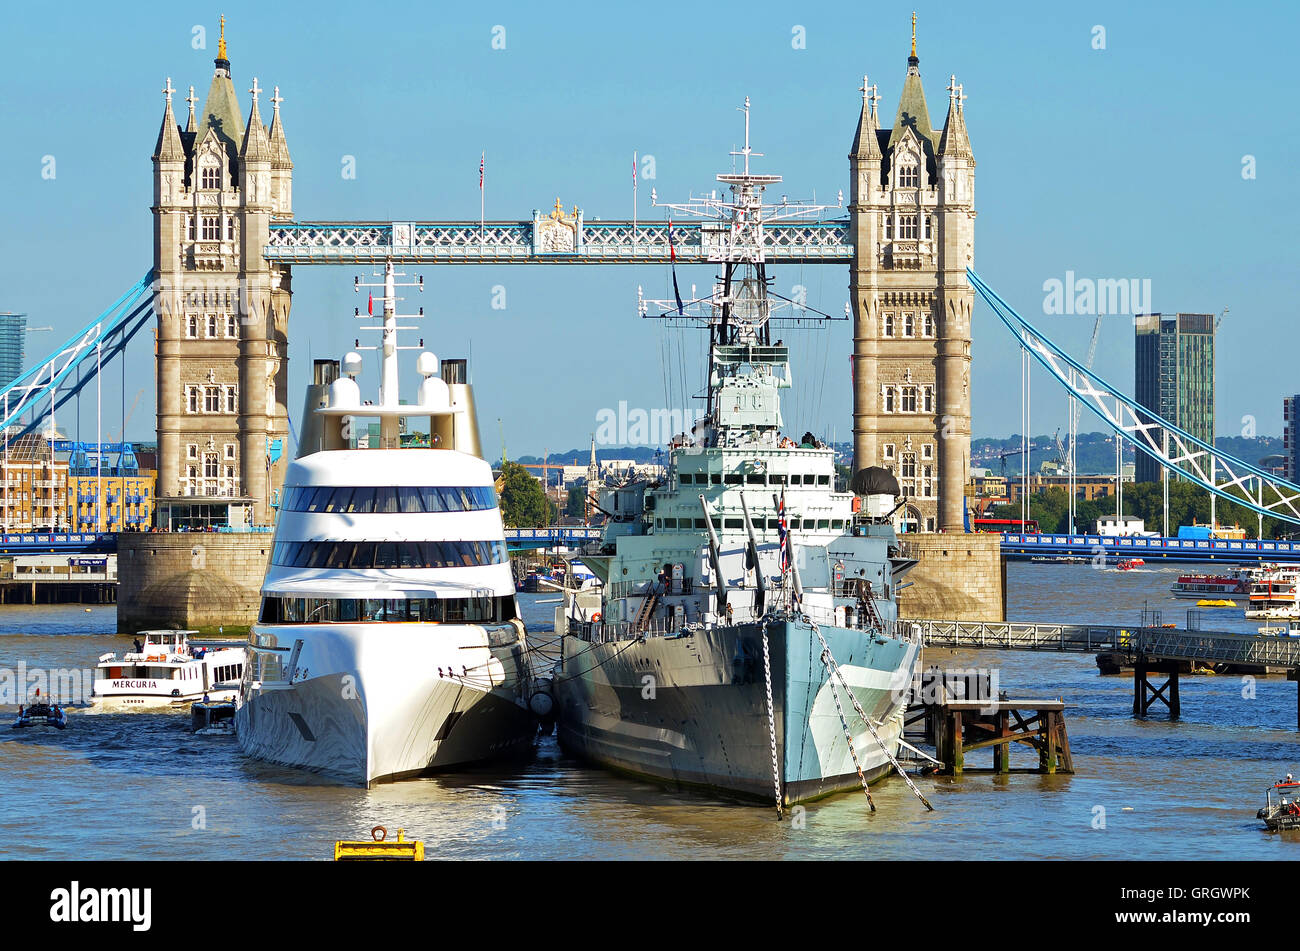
(1165, 643)
(1150, 649)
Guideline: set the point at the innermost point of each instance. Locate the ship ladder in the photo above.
(647, 611)
(834, 670)
(873, 614)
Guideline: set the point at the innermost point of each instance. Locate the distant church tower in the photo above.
(223, 310)
(912, 211)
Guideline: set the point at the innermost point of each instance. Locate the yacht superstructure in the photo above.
(389, 643)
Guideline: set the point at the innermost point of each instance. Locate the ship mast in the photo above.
(739, 311)
(389, 395)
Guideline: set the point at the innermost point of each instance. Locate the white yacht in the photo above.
(165, 671)
(389, 642)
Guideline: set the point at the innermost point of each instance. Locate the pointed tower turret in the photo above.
(955, 141)
(912, 111)
(257, 143)
(281, 164)
(169, 148)
(191, 125)
(221, 116)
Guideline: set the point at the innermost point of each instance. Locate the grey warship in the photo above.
(746, 638)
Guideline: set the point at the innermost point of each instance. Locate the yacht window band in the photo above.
(388, 499)
(290, 610)
(403, 554)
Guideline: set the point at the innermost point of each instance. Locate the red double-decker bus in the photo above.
(1015, 525)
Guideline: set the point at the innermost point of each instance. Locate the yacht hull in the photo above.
(372, 703)
(691, 709)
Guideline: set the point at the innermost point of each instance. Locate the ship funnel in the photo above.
(459, 429)
(325, 373)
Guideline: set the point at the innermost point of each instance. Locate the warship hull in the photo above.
(691, 709)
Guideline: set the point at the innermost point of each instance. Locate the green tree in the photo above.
(523, 502)
(576, 505)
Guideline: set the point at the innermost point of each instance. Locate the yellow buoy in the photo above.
(1215, 603)
(379, 848)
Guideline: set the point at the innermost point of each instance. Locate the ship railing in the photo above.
(908, 632)
(637, 589)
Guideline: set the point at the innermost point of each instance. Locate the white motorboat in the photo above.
(165, 671)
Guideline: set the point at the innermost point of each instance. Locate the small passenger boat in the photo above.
(1282, 805)
(41, 713)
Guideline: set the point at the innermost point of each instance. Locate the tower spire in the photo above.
(221, 40)
(913, 56)
(168, 148)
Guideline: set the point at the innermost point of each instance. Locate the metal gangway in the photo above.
(1156, 643)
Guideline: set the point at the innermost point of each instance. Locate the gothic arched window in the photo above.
(909, 175)
(210, 176)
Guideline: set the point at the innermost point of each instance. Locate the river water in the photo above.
(141, 786)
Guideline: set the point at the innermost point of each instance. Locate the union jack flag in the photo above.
(782, 534)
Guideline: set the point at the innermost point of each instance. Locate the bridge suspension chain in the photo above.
(111, 329)
(1177, 450)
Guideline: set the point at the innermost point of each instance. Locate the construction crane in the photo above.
(1013, 452)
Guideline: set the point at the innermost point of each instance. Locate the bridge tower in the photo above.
(912, 215)
(222, 309)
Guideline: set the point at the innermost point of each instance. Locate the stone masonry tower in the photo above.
(222, 309)
(912, 211)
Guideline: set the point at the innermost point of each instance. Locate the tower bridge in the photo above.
(226, 240)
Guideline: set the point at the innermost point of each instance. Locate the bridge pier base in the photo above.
(1145, 694)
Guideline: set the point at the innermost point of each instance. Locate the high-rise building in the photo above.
(1174, 377)
(912, 212)
(1291, 436)
(13, 340)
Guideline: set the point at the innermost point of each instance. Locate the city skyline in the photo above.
(1040, 219)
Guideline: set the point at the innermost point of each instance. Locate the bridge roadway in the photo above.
(1155, 643)
(532, 242)
(569, 537)
(1137, 546)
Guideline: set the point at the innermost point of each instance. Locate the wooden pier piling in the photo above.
(962, 727)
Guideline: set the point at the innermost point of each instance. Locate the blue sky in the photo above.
(1123, 162)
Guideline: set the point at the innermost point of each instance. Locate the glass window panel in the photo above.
(386, 555)
(410, 554)
(341, 555)
(432, 498)
(409, 497)
(385, 499)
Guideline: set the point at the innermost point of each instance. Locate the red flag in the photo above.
(480, 170)
(370, 304)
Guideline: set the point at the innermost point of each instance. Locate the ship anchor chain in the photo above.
(771, 723)
(834, 669)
